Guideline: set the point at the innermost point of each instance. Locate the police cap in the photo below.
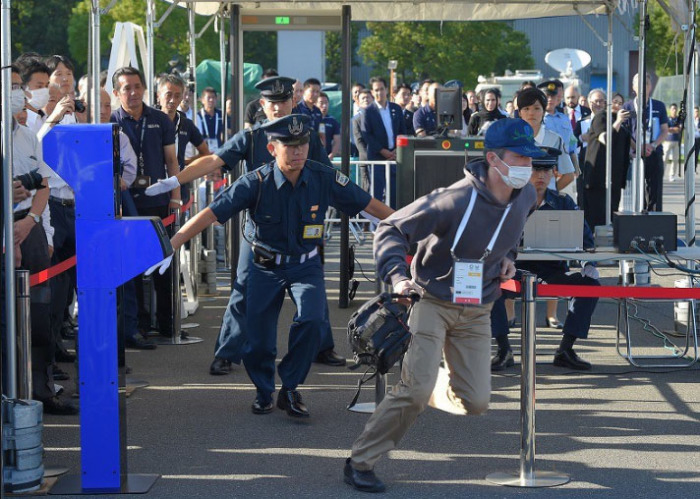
(548, 161)
(551, 86)
(276, 89)
(291, 130)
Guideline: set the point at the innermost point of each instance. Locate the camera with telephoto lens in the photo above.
(31, 180)
(79, 106)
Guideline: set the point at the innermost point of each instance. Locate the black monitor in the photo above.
(448, 108)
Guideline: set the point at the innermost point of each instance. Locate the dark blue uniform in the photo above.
(289, 221)
(251, 145)
(314, 114)
(580, 311)
(425, 119)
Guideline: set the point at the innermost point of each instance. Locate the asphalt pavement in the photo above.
(617, 431)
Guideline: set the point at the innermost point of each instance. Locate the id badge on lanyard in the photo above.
(468, 275)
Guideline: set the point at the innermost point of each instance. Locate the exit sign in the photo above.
(283, 20)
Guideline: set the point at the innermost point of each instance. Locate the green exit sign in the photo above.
(281, 20)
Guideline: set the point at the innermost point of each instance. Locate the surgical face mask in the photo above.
(518, 176)
(40, 97)
(17, 101)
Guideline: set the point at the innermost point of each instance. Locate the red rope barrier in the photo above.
(44, 275)
(647, 292)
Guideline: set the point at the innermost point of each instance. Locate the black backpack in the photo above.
(379, 335)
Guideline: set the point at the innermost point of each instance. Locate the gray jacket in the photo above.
(431, 222)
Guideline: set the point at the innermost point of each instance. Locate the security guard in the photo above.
(580, 310)
(286, 202)
(249, 145)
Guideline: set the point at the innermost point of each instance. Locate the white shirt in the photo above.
(59, 187)
(127, 157)
(385, 113)
(27, 155)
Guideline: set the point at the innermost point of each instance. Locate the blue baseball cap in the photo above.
(515, 135)
(276, 89)
(291, 130)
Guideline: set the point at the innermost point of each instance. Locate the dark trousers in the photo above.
(654, 185)
(35, 258)
(594, 201)
(162, 285)
(266, 289)
(578, 317)
(62, 285)
(377, 178)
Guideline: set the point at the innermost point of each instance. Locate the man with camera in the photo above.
(286, 201)
(152, 136)
(466, 236)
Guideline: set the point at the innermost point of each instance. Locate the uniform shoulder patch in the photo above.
(341, 179)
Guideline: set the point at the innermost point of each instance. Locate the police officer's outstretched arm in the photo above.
(197, 169)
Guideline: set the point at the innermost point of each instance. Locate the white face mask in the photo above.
(17, 101)
(518, 176)
(40, 97)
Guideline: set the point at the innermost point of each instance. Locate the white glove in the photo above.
(163, 185)
(161, 266)
(590, 271)
(408, 287)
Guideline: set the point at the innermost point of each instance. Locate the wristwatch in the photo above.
(35, 217)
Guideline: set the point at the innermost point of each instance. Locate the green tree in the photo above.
(334, 51)
(170, 40)
(664, 44)
(448, 50)
(40, 26)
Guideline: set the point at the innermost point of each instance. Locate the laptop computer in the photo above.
(554, 230)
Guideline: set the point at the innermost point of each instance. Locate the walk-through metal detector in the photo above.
(426, 163)
(298, 20)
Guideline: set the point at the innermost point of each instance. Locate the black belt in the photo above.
(70, 203)
(19, 215)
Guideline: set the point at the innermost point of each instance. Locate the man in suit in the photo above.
(574, 110)
(380, 124)
(364, 100)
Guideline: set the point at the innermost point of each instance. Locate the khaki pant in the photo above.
(465, 334)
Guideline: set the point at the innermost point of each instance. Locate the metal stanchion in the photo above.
(24, 338)
(179, 337)
(210, 229)
(528, 476)
(379, 392)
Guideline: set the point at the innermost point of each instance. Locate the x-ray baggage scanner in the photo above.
(426, 163)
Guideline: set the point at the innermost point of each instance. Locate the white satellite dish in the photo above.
(568, 61)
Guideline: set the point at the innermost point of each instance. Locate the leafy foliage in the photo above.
(445, 51)
(40, 26)
(664, 46)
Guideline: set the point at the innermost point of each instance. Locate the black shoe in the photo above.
(139, 342)
(502, 360)
(262, 407)
(58, 407)
(290, 401)
(220, 367)
(59, 374)
(568, 358)
(67, 333)
(65, 356)
(330, 358)
(365, 481)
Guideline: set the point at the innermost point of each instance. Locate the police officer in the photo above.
(249, 145)
(286, 201)
(580, 311)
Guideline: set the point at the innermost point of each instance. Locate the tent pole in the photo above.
(689, 73)
(222, 58)
(608, 121)
(94, 97)
(345, 154)
(149, 65)
(640, 137)
(236, 48)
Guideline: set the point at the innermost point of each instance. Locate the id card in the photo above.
(468, 282)
(213, 144)
(313, 231)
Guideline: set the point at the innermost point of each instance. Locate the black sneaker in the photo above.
(365, 481)
(139, 342)
(502, 360)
